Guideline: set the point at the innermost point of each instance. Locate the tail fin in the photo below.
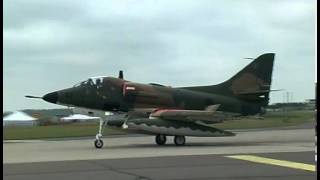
(251, 84)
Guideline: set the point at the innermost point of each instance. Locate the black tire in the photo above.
(98, 143)
(179, 140)
(161, 139)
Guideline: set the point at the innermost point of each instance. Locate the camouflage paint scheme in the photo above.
(246, 93)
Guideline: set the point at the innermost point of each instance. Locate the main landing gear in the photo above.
(161, 139)
(98, 143)
(178, 140)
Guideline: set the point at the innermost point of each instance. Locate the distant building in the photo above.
(311, 101)
(48, 116)
(287, 106)
(19, 118)
(79, 118)
(310, 104)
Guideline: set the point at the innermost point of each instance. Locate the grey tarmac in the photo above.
(178, 167)
(266, 141)
(138, 157)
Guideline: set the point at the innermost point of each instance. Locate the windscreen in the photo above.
(82, 83)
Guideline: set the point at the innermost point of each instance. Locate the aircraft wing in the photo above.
(177, 122)
(169, 122)
(209, 115)
(167, 127)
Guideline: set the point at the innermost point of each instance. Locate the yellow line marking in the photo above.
(276, 162)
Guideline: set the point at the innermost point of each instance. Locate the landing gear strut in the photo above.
(179, 140)
(98, 143)
(161, 139)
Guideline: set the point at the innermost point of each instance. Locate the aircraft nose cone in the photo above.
(51, 97)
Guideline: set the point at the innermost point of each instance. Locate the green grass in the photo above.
(273, 119)
(55, 131)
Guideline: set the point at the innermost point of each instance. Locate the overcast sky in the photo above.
(51, 45)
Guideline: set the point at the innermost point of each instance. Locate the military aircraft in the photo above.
(167, 111)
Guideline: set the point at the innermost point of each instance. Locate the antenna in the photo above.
(120, 74)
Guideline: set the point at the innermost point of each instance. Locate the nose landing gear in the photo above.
(98, 143)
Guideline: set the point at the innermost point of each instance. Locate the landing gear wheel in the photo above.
(98, 143)
(161, 139)
(179, 140)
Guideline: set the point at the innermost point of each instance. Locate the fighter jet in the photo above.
(163, 111)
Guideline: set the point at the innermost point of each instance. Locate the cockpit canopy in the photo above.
(91, 81)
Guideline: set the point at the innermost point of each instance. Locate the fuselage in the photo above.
(114, 94)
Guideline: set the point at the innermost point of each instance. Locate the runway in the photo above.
(138, 157)
(178, 167)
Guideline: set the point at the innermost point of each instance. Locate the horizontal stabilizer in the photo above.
(258, 92)
(212, 107)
